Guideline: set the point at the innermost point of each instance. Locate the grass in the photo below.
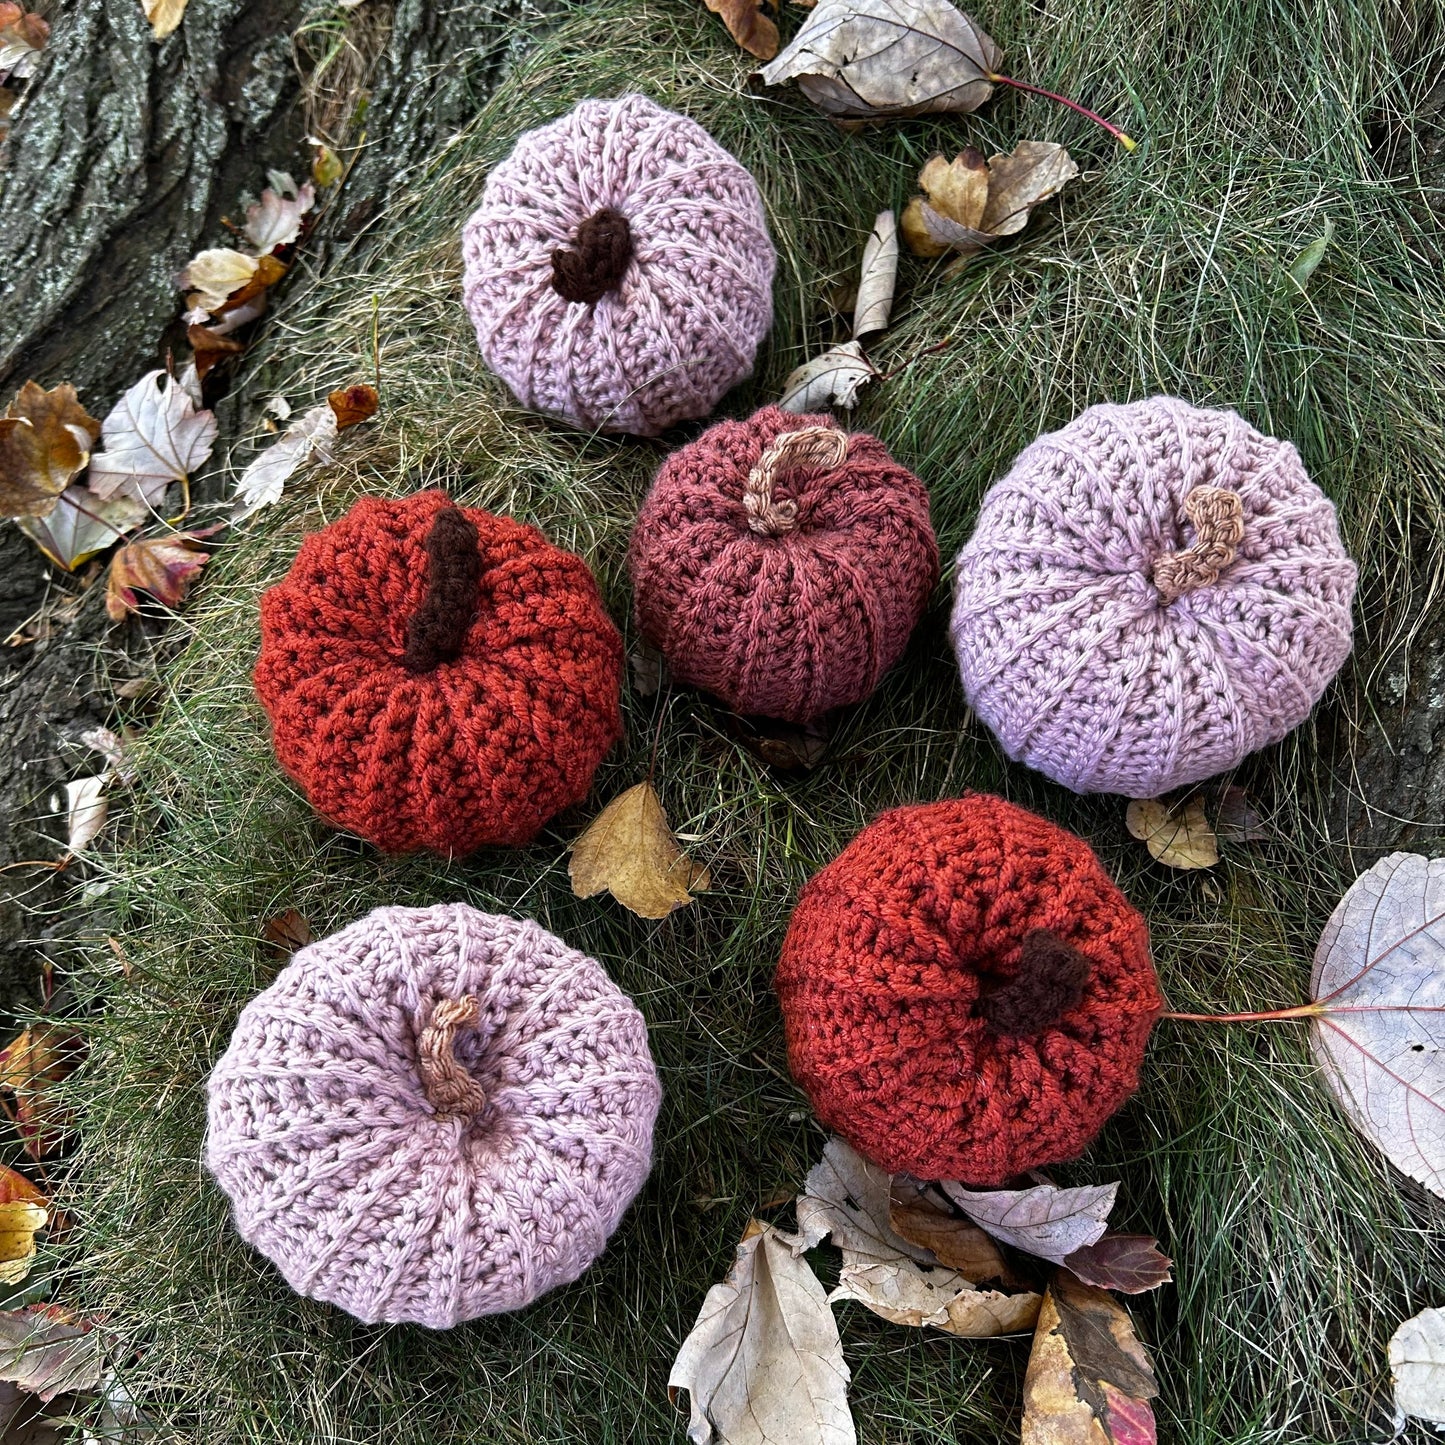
(1297, 1250)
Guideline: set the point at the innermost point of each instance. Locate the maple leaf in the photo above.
(45, 442)
(153, 436)
(211, 347)
(30, 1066)
(1178, 837)
(275, 220)
(162, 566)
(287, 932)
(23, 1213)
(747, 24)
(81, 525)
(22, 37)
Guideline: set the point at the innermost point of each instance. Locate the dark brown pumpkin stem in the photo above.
(1050, 981)
(437, 630)
(598, 258)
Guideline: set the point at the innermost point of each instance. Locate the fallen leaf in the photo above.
(85, 810)
(748, 25)
(326, 166)
(1417, 1363)
(45, 442)
(153, 436)
(275, 220)
(1044, 1220)
(210, 348)
(874, 59)
(789, 747)
(1089, 1379)
(832, 379)
(1305, 264)
(917, 1213)
(48, 1351)
(1236, 819)
(1178, 837)
(1129, 1263)
(969, 203)
(353, 404)
(162, 566)
(629, 851)
(164, 15)
(81, 525)
(308, 439)
(23, 1213)
(249, 302)
(763, 1364)
(1379, 1035)
(287, 932)
(646, 667)
(30, 1066)
(849, 1198)
(213, 275)
(22, 37)
(878, 276)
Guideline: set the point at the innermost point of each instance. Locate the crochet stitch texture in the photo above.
(965, 992)
(781, 563)
(438, 677)
(619, 270)
(1151, 594)
(433, 1114)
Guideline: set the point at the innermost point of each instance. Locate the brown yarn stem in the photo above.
(597, 260)
(1218, 518)
(818, 448)
(437, 631)
(452, 1090)
(1050, 981)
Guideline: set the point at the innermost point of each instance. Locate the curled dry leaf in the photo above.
(153, 436)
(1417, 1363)
(747, 24)
(1379, 1032)
(45, 442)
(162, 566)
(353, 404)
(164, 15)
(30, 1068)
(921, 1215)
(48, 1351)
(1045, 1221)
(275, 220)
(287, 932)
(830, 380)
(875, 59)
(629, 851)
(82, 524)
(214, 275)
(307, 440)
(210, 348)
(1129, 1263)
(326, 165)
(22, 37)
(763, 1364)
(85, 810)
(878, 277)
(1089, 1380)
(24, 1212)
(969, 203)
(1178, 837)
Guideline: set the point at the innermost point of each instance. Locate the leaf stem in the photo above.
(1266, 1016)
(1128, 142)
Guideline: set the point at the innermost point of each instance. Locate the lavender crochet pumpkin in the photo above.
(433, 1114)
(1151, 594)
(619, 270)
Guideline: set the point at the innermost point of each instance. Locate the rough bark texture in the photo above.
(119, 167)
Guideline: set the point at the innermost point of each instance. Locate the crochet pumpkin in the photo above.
(437, 677)
(966, 994)
(433, 1114)
(618, 270)
(781, 563)
(1151, 594)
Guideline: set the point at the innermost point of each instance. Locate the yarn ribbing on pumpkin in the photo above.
(782, 564)
(429, 1172)
(619, 270)
(965, 992)
(1150, 595)
(438, 677)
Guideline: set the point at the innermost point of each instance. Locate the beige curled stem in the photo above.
(1218, 519)
(451, 1089)
(810, 448)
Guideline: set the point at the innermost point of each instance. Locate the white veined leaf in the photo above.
(153, 436)
(307, 440)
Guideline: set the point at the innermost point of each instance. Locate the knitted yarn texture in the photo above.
(437, 677)
(965, 992)
(1151, 594)
(433, 1114)
(619, 270)
(782, 563)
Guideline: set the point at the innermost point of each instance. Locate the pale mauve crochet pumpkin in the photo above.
(433, 1114)
(619, 270)
(1151, 594)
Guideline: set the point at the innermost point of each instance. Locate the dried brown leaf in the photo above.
(352, 404)
(878, 277)
(82, 524)
(922, 1217)
(162, 566)
(747, 24)
(215, 275)
(45, 442)
(1177, 836)
(22, 37)
(629, 851)
(164, 15)
(275, 220)
(1417, 1365)
(287, 932)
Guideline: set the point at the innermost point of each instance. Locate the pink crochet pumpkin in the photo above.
(433, 1114)
(619, 270)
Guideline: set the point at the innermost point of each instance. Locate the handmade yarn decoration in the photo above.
(438, 677)
(1150, 595)
(966, 994)
(433, 1114)
(619, 270)
(781, 563)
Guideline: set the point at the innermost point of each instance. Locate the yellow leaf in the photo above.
(1178, 837)
(22, 1216)
(164, 15)
(630, 852)
(45, 441)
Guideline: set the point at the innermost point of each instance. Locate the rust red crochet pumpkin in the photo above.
(781, 563)
(438, 677)
(966, 994)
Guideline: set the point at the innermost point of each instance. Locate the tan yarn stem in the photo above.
(818, 448)
(1218, 518)
(448, 1085)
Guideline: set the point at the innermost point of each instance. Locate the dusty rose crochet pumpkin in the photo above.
(781, 563)
(433, 1114)
(618, 270)
(1151, 594)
